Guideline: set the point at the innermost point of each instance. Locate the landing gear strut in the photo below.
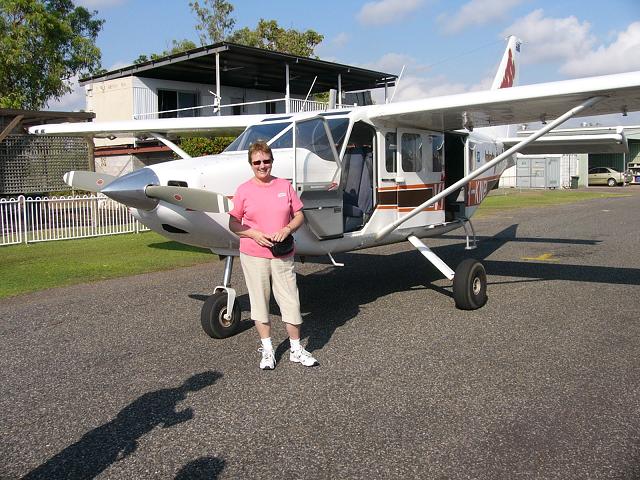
(469, 279)
(216, 320)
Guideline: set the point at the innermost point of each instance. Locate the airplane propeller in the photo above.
(89, 181)
(137, 190)
(191, 198)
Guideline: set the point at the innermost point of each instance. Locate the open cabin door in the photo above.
(317, 177)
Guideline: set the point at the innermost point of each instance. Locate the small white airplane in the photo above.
(367, 176)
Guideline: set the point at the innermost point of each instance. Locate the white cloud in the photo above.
(393, 63)
(71, 102)
(415, 82)
(387, 11)
(327, 49)
(340, 40)
(619, 56)
(476, 12)
(552, 39)
(91, 4)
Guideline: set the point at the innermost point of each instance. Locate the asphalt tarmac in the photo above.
(116, 379)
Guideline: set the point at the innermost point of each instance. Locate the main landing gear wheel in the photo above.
(470, 285)
(213, 318)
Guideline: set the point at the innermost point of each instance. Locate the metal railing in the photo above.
(295, 105)
(43, 219)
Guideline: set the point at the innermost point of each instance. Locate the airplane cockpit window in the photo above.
(338, 127)
(411, 152)
(312, 136)
(254, 133)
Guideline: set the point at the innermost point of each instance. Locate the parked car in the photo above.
(606, 176)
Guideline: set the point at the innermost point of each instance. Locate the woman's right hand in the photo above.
(261, 239)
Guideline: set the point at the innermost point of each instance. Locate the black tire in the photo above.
(212, 316)
(612, 182)
(470, 285)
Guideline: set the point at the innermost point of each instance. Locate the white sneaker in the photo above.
(303, 357)
(268, 361)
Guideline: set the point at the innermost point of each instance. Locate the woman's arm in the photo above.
(295, 223)
(244, 231)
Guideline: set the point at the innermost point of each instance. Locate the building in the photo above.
(219, 79)
(570, 166)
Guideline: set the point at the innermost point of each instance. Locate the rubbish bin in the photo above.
(574, 181)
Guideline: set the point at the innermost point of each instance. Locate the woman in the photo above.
(266, 209)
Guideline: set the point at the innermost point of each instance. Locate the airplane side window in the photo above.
(438, 150)
(391, 151)
(411, 152)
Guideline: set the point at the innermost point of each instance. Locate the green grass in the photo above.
(37, 266)
(509, 199)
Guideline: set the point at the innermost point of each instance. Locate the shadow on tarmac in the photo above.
(333, 296)
(203, 468)
(117, 439)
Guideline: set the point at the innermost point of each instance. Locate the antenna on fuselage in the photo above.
(397, 83)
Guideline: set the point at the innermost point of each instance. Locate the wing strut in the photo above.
(170, 144)
(463, 181)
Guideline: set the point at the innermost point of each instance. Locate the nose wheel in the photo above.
(470, 285)
(220, 315)
(215, 321)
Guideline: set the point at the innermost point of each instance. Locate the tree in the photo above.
(270, 36)
(178, 46)
(43, 44)
(215, 18)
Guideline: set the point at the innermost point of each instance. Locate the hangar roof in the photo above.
(254, 68)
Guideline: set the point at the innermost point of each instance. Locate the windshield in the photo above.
(266, 132)
(254, 133)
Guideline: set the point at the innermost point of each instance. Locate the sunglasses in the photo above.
(265, 162)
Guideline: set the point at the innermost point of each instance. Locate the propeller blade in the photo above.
(191, 198)
(90, 181)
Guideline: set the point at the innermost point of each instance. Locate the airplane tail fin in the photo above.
(507, 74)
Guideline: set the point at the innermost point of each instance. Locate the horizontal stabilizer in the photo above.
(568, 144)
(191, 198)
(89, 181)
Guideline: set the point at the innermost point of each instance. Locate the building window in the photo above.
(270, 107)
(171, 100)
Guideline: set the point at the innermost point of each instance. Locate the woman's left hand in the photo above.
(281, 234)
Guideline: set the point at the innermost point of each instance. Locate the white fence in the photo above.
(43, 219)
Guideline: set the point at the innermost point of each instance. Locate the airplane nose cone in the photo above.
(129, 189)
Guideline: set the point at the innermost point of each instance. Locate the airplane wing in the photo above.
(515, 105)
(231, 125)
(567, 144)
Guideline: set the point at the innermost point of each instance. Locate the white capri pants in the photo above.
(257, 271)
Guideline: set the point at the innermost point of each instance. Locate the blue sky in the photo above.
(446, 46)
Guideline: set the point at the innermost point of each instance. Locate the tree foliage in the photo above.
(199, 146)
(177, 46)
(43, 44)
(215, 20)
(270, 36)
